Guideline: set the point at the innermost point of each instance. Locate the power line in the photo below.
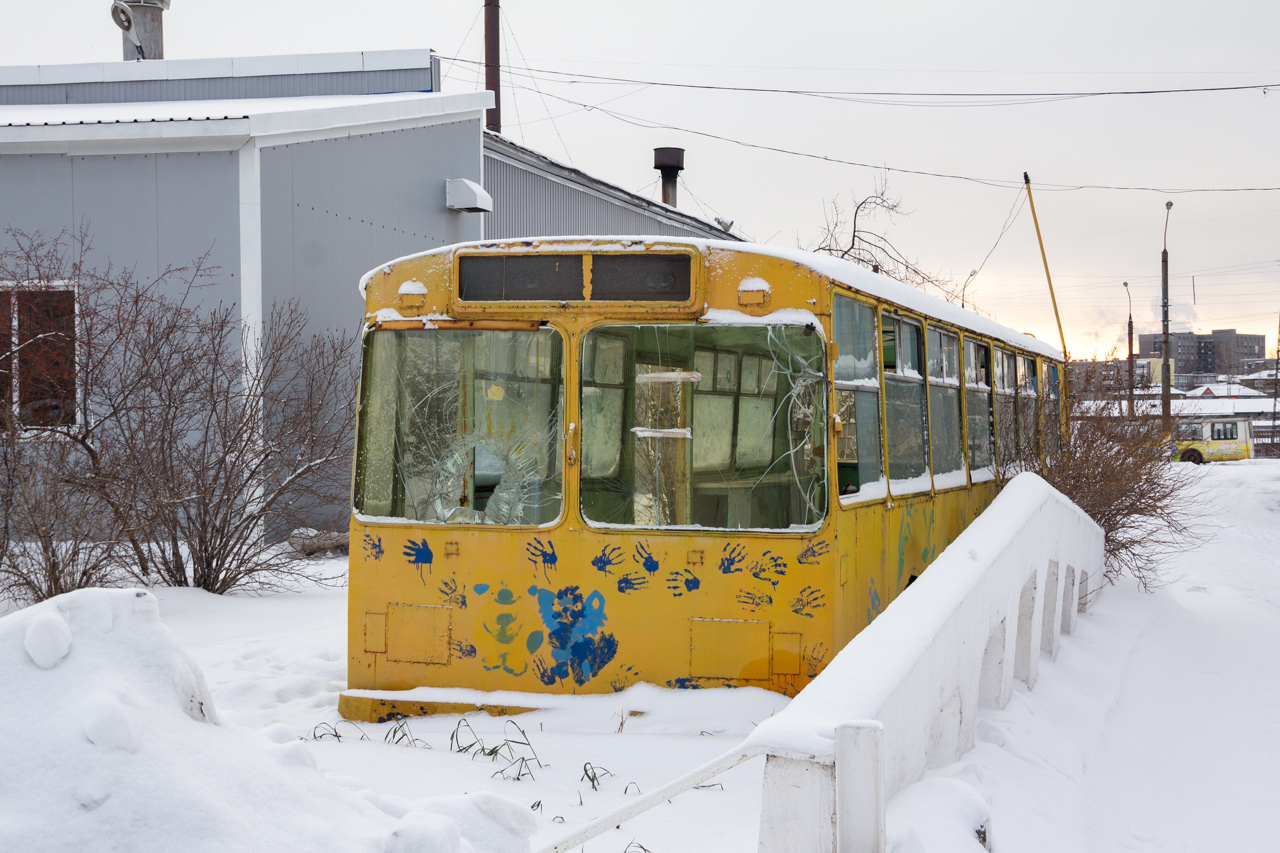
(650, 124)
(979, 98)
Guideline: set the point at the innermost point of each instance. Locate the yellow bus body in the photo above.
(476, 613)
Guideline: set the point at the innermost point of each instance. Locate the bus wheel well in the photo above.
(1193, 456)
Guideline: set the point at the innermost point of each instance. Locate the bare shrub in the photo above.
(56, 537)
(189, 443)
(1117, 468)
(258, 443)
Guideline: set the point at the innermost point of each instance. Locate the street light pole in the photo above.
(1130, 295)
(1165, 378)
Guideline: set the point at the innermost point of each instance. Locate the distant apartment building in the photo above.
(1221, 351)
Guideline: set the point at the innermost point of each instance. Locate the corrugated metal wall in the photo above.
(213, 88)
(529, 204)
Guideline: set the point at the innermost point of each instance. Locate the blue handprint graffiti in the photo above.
(419, 554)
(579, 648)
(754, 600)
(770, 568)
(632, 581)
(609, 556)
(813, 553)
(680, 582)
(543, 556)
(732, 558)
(808, 600)
(645, 558)
(452, 595)
(373, 547)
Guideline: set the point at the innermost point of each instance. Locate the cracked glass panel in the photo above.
(946, 440)
(719, 427)
(977, 385)
(1052, 414)
(1028, 408)
(906, 417)
(1006, 408)
(461, 427)
(857, 382)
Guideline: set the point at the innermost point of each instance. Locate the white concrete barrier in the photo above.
(902, 696)
(980, 616)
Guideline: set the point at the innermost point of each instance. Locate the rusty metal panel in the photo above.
(787, 651)
(418, 633)
(729, 648)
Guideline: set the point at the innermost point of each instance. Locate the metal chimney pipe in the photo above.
(670, 163)
(492, 65)
(148, 23)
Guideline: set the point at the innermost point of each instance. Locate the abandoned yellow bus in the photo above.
(582, 464)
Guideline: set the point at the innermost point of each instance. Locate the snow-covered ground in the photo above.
(1157, 728)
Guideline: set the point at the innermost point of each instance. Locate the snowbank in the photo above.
(112, 742)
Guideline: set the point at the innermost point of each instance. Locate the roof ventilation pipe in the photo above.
(670, 162)
(142, 26)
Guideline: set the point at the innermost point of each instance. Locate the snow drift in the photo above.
(111, 741)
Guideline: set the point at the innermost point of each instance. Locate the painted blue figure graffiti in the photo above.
(684, 684)
(731, 559)
(449, 592)
(645, 559)
(463, 650)
(579, 648)
(770, 568)
(874, 610)
(808, 599)
(754, 600)
(373, 547)
(609, 556)
(681, 582)
(543, 556)
(419, 553)
(505, 667)
(813, 553)
(632, 581)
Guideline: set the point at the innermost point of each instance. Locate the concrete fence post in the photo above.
(860, 787)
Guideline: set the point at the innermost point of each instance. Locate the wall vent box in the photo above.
(466, 196)
(728, 648)
(418, 633)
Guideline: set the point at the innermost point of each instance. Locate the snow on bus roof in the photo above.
(844, 272)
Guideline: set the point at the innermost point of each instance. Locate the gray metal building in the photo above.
(296, 174)
(535, 195)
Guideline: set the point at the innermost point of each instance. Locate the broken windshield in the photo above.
(709, 426)
(461, 426)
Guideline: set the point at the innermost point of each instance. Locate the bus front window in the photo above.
(703, 426)
(461, 426)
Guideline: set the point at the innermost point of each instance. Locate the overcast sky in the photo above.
(1095, 239)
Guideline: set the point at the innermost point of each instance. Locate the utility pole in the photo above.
(1026, 180)
(1128, 294)
(1165, 379)
(492, 65)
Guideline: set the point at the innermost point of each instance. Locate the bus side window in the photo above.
(977, 389)
(905, 413)
(857, 392)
